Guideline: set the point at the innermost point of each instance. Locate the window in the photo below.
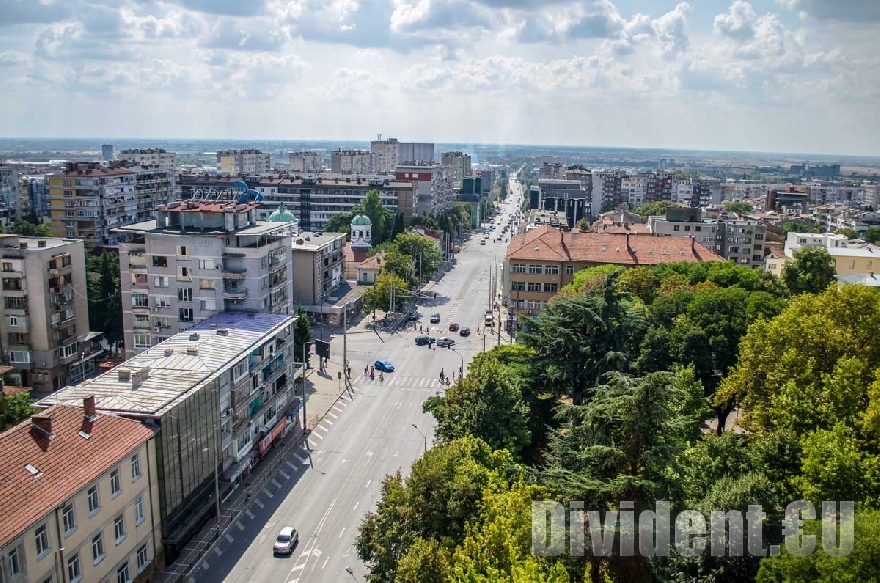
(185, 294)
(184, 315)
(551, 287)
(98, 548)
(74, 572)
(517, 286)
(534, 286)
(142, 318)
(7, 266)
(119, 528)
(140, 300)
(160, 261)
(42, 539)
(206, 264)
(13, 562)
(160, 281)
(115, 486)
(535, 269)
(122, 573)
(184, 273)
(239, 370)
(208, 304)
(551, 269)
(142, 558)
(13, 320)
(93, 500)
(517, 268)
(139, 510)
(67, 351)
(181, 251)
(141, 340)
(135, 467)
(69, 518)
(675, 227)
(569, 270)
(206, 284)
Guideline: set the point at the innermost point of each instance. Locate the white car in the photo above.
(286, 541)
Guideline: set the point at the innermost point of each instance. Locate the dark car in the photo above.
(445, 342)
(383, 366)
(453, 326)
(435, 318)
(422, 340)
(464, 332)
(413, 316)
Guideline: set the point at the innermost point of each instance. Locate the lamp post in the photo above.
(350, 572)
(424, 437)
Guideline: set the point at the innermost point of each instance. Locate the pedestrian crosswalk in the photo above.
(393, 380)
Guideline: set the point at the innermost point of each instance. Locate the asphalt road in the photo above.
(326, 487)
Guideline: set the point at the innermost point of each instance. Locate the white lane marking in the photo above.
(334, 415)
(338, 408)
(312, 543)
(267, 493)
(293, 467)
(301, 459)
(286, 475)
(218, 552)
(229, 538)
(369, 454)
(249, 514)
(316, 434)
(259, 503)
(341, 532)
(276, 482)
(356, 504)
(327, 560)
(239, 525)
(368, 484)
(205, 565)
(328, 422)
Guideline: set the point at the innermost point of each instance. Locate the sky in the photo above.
(761, 75)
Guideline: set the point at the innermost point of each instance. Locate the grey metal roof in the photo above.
(173, 376)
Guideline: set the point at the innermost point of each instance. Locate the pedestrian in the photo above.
(366, 370)
(371, 371)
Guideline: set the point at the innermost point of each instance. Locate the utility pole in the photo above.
(217, 474)
(302, 381)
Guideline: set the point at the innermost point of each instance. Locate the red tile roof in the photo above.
(548, 244)
(66, 463)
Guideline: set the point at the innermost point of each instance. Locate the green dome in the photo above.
(361, 220)
(282, 215)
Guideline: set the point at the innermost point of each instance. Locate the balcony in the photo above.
(235, 294)
(69, 359)
(234, 273)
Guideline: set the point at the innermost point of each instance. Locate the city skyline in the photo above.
(784, 76)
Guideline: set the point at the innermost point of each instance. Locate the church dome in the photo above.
(282, 215)
(361, 220)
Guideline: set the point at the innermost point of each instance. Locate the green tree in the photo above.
(382, 219)
(650, 209)
(424, 255)
(872, 235)
(488, 404)
(378, 296)
(401, 265)
(340, 223)
(302, 334)
(15, 409)
(399, 226)
(105, 298)
(801, 226)
(27, 229)
(848, 233)
(738, 207)
(812, 270)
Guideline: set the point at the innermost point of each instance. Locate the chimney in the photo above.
(89, 408)
(628, 249)
(693, 245)
(43, 422)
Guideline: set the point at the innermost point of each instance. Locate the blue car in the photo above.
(383, 365)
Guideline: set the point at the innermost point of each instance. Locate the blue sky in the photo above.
(769, 75)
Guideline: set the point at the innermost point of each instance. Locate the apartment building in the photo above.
(79, 498)
(433, 186)
(850, 258)
(568, 197)
(106, 152)
(460, 163)
(549, 160)
(10, 207)
(386, 154)
(236, 162)
(34, 194)
(306, 163)
(149, 157)
(552, 171)
(488, 176)
(418, 153)
(319, 266)
(315, 200)
(741, 241)
(352, 162)
(195, 260)
(88, 201)
(606, 192)
(543, 260)
(221, 394)
(44, 312)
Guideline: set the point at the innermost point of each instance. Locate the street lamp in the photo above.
(425, 437)
(350, 572)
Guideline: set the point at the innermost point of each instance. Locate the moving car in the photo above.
(435, 318)
(464, 332)
(413, 316)
(286, 541)
(422, 340)
(383, 366)
(453, 327)
(445, 342)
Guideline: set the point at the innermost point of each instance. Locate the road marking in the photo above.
(301, 459)
(239, 525)
(328, 422)
(316, 434)
(369, 454)
(191, 580)
(356, 504)
(286, 476)
(368, 484)
(341, 532)
(259, 503)
(277, 483)
(338, 408)
(335, 416)
(205, 565)
(229, 538)
(267, 493)
(218, 552)
(344, 460)
(327, 560)
(293, 467)
(249, 514)
(396, 453)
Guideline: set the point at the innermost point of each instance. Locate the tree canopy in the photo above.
(812, 270)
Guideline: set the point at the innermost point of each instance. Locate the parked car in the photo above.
(422, 340)
(445, 342)
(435, 318)
(383, 366)
(464, 332)
(413, 316)
(453, 327)
(286, 541)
